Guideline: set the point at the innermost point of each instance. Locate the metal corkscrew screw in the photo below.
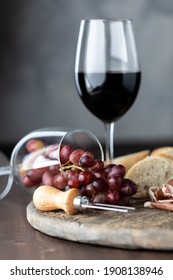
(48, 198)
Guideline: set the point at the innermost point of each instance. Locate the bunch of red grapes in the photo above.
(99, 182)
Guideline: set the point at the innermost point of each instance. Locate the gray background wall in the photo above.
(37, 50)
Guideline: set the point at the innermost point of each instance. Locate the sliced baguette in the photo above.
(152, 171)
(164, 152)
(130, 159)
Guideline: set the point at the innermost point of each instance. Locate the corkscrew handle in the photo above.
(48, 198)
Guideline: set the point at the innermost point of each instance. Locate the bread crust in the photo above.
(152, 171)
(166, 151)
(130, 159)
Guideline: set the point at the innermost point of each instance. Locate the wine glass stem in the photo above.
(5, 170)
(109, 141)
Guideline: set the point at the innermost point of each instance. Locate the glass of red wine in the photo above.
(107, 71)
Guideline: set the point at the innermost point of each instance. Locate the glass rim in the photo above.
(86, 132)
(6, 172)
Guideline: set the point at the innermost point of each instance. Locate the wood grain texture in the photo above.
(20, 241)
(143, 229)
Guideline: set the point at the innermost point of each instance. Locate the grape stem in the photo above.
(71, 166)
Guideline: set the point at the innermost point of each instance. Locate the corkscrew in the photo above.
(48, 198)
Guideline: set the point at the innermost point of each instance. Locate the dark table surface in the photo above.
(19, 241)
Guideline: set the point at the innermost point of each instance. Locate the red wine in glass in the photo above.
(108, 95)
(107, 71)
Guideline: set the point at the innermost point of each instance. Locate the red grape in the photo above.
(128, 187)
(114, 182)
(100, 184)
(117, 171)
(124, 200)
(75, 156)
(86, 161)
(88, 154)
(65, 152)
(99, 198)
(98, 164)
(34, 145)
(109, 167)
(83, 190)
(112, 197)
(27, 182)
(54, 169)
(70, 172)
(73, 182)
(89, 189)
(35, 174)
(85, 177)
(60, 181)
(47, 178)
(100, 173)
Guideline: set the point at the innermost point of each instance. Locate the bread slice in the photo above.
(166, 151)
(152, 171)
(130, 159)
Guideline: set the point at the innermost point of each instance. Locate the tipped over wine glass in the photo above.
(107, 71)
(39, 156)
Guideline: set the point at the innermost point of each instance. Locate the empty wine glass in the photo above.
(38, 154)
(107, 71)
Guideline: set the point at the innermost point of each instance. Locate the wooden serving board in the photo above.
(143, 228)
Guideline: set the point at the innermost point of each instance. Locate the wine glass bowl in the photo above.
(107, 71)
(37, 157)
